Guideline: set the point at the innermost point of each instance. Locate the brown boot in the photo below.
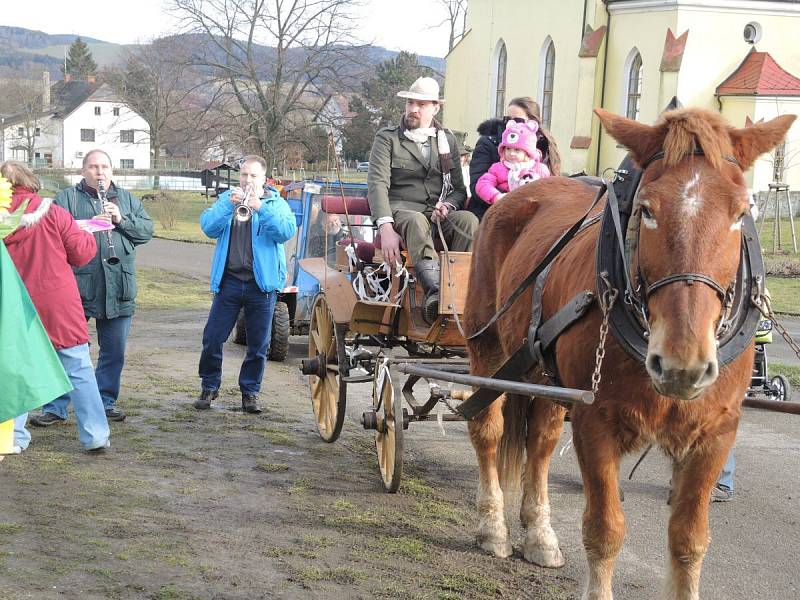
(205, 399)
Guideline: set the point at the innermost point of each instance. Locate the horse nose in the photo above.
(686, 382)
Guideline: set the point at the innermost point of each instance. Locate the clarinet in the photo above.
(113, 259)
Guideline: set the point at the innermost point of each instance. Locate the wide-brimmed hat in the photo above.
(424, 88)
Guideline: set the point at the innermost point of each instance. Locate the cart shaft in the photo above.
(502, 385)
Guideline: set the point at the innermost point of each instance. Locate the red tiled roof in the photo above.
(759, 75)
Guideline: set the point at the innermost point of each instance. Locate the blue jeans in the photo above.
(726, 477)
(258, 308)
(22, 436)
(86, 402)
(112, 336)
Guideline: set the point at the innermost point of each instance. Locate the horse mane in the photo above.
(689, 129)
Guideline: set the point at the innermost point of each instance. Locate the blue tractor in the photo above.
(293, 307)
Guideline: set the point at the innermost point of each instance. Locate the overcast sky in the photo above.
(394, 24)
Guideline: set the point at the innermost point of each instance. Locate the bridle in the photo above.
(646, 290)
(630, 319)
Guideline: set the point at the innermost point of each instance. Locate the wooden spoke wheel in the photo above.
(389, 431)
(328, 391)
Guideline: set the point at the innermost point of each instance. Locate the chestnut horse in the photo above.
(692, 200)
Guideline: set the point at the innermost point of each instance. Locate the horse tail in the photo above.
(511, 449)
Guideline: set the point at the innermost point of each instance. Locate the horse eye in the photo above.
(646, 212)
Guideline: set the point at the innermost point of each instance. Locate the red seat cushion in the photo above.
(356, 205)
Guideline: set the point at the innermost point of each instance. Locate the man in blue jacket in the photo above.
(249, 268)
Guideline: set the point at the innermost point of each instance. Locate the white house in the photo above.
(81, 116)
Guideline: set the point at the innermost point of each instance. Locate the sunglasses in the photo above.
(515, 119)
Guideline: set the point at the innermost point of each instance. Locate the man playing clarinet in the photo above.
(108, 283)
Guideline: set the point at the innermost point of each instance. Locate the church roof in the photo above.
(759, 75)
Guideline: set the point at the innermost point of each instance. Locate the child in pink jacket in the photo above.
(520, 163)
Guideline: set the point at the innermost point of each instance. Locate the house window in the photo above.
(500, 94)
(126, 136)
(116, 111)
(635, 76)
(37, 132)
(20, 131)
(125, 163)
(87, 135)
(97, 110)
(547, 87)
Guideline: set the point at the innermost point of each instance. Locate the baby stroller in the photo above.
(776, 388)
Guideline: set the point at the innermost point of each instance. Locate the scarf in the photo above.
(421, 137)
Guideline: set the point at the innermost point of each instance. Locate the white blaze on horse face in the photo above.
(691, 197)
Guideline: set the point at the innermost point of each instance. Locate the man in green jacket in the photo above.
(107, 286)
(415, 182)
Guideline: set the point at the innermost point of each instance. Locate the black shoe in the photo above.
(205, 399)
(249, 404)
(427, 272)
(46, 419)
(115, 414)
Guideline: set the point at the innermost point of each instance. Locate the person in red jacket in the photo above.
(47, 243)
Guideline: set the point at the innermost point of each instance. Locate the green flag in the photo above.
(30, 372)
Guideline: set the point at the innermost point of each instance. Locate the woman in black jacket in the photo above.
(485, 154)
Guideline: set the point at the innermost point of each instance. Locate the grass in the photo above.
(785, 293)
(166, 289)
(187, 224)
(766, 236)
(791, 372)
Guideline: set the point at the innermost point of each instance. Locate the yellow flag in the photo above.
(7, 436)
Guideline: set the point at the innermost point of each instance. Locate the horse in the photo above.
(690, 203)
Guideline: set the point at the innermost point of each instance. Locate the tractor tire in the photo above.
(240, 334)
(279, 344)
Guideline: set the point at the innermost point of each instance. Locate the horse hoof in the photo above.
(501, 549)
(544, 557)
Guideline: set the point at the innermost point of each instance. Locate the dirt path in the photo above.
(224, 505)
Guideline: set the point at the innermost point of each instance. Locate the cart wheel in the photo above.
(389, 432)
(328, 392)
(781, 388)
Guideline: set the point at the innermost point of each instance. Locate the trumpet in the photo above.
(243, 210)
(112, 259)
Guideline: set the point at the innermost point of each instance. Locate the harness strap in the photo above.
(548, 258)
(530, 352)
(689, 278)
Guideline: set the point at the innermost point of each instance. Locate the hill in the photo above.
(23, 49)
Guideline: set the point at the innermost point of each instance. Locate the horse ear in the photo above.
(637, 137)
(751, 142)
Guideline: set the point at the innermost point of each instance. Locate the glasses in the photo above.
(515, 119)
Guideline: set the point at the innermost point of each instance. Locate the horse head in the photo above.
(690, 204)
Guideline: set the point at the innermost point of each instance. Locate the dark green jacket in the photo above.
(108, 291)
(400, 178)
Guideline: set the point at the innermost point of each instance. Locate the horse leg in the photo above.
(692, 478)
(540, 545)
(485, 431)
(603, 520)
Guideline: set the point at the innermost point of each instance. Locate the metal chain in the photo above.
(607, 299)
(764, 305)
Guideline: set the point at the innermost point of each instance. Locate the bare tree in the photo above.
(277, 59)
(456, 20)
(158, 82)
(29, 120)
